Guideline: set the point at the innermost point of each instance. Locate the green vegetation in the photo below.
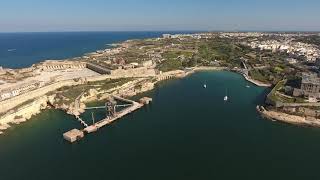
(259, 75)
(222, 50)
(276, 96)
(170, 64)
(67, 95)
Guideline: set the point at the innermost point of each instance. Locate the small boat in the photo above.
(226, 97)
(247, 86)
(205, 86)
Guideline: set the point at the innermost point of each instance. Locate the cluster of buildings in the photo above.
(260, 34)
(37, 76)
(103, 69)
(184, 36)
(60, 65)
(55, 69)
(310, 52)
(309, 87)
(241, 34)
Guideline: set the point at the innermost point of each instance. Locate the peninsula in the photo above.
(289, 62)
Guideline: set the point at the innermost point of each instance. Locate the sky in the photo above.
(159, 15)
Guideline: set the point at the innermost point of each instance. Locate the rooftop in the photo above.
(310, 78)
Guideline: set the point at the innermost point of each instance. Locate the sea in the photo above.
(18, 50)
(188, 132)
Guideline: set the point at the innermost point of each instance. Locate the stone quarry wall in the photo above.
(9, 104)
(27, 111)
(120, 73)
(136, 72)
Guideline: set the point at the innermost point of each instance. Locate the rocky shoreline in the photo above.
(288, 118)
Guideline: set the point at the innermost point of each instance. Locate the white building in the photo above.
(166, 36)
(19, 89)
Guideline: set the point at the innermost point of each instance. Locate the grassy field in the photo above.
(67, 95)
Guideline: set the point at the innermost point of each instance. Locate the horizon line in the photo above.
(192, 31)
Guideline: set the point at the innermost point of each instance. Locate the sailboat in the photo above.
(205, 85)
(225, 97)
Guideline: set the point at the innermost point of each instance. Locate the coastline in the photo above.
(257, 83)
(39, 98)
(26, 112)
(289, 119)
(128, 90)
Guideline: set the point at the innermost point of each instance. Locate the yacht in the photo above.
(226, 97)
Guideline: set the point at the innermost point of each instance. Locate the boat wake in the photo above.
(11, 50)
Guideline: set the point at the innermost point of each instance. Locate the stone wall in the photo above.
(9, 104)
(27, 111)
(136, 72)
(120, 73)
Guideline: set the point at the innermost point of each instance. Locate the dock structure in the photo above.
(82, 121)
(118, 115)
(132, 106)
(73, 135)
(145, 100)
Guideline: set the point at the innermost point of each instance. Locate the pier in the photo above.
(82, 121)
(73, 135)
(112, 116)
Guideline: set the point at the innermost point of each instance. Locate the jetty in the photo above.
(73, 135)
(112, 116)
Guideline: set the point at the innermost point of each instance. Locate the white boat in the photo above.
(226, 97)
(248, 86)
(205, 86)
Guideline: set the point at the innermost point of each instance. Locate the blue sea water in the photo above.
(19, 50)
(187, 132)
